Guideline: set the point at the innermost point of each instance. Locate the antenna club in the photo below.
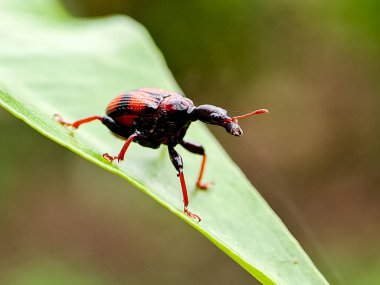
(261, 111)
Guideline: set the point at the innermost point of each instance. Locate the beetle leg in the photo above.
(198, 149)
(123, 150)
(178, 164)
(76, 124)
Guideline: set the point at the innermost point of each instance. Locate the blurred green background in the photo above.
(314, 64)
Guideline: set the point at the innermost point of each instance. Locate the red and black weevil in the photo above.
(152, 117)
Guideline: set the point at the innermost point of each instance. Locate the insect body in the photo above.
(151, 117)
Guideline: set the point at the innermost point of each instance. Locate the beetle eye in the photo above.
(214, 117)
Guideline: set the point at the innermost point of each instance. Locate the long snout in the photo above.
(234, 129)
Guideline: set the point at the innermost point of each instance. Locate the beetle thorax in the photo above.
(170, 124)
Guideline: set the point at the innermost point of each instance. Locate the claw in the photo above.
(60, 120)
(205, 185)
(191, 215)
(110, 158)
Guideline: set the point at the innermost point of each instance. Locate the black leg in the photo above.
(198, 149)
(176, 159)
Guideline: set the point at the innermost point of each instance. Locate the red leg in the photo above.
(178, 164)
(76, 124)
(200, 184)
(186, 199)
(123, 150)
(198, 149)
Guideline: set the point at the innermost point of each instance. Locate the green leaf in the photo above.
(52, 63)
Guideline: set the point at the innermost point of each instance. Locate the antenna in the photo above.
(257, 112)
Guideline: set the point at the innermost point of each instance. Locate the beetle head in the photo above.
(217, 116)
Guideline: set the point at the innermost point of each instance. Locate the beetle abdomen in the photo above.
(134, 103)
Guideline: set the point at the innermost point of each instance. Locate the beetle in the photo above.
(152, 117)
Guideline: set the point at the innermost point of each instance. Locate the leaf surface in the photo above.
(52, 63)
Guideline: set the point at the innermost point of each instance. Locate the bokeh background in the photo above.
(314, 64)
